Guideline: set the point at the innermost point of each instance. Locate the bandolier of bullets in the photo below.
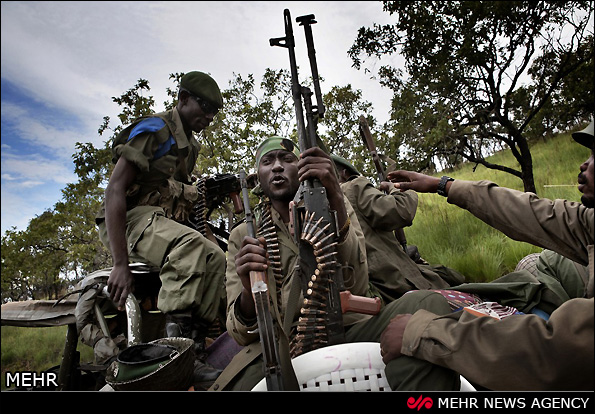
(267, 230)
(198, 213)
(311, 328)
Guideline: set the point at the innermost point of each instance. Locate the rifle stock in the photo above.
(260, 293)
(364, 130)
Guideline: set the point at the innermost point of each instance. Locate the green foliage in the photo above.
(463, 95)
(248, 116)
(339, 127)
(62, 245)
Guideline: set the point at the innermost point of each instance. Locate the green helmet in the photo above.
(340, 161)
(162, 365)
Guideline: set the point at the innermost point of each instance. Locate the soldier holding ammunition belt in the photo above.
(280, 168)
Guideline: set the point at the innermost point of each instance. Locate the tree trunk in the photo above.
(526, 163)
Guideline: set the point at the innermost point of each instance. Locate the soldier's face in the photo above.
(193, 114)
(586, 182)
(278, 175)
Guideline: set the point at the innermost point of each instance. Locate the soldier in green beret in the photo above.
(148, 197)
(280, 168)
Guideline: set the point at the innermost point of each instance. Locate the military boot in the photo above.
(178, 325)
(183, 325)
(204, 374)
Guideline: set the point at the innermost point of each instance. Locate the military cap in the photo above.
(203, 86)
(585, 137)
(275, 143)
(340, 161)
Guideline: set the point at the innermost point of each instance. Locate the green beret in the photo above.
(275, 143)
(585, 137)
(340, 161)
(203, 86)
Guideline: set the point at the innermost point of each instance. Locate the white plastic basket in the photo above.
(353, 366)
(346, 367)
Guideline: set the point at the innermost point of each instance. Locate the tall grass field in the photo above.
(448, 235)
(444, 234)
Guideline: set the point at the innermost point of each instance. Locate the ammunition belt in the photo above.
(197, 217)
(311, 328)
(267, 230)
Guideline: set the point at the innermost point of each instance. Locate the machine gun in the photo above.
(364, 131)
(221, 187)
(260, 293)
(314, 225)
(213, 192)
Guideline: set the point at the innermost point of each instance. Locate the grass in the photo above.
(35, 349)
(448, 235)
(445, 234)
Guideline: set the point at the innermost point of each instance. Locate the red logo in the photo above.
(420, 402)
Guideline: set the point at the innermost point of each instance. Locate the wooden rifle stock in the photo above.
(359, 304)
(260, 293)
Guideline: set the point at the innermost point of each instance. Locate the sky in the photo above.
(62, 62)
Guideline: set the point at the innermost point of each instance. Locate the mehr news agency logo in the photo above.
(421, 402)
(32, 379)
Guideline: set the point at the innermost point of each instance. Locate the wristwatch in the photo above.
(442, 185)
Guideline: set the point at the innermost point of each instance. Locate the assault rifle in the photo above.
(364, 131)
(260, 293)
(314, 225)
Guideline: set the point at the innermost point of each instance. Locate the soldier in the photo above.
(280, 168)
(148, 196)
(391, 271)
(519, 352)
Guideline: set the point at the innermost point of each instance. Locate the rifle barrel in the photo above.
(364, 130)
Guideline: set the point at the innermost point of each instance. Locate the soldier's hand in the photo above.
(385, 186)
(391, 339)
(409, 180)
(119, 284)
(315, 163)
(252, 256)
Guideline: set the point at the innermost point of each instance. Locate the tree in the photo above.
(249, 115)
(464, 94)
(339, 126)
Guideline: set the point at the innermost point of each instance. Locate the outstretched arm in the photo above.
(409, 180)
